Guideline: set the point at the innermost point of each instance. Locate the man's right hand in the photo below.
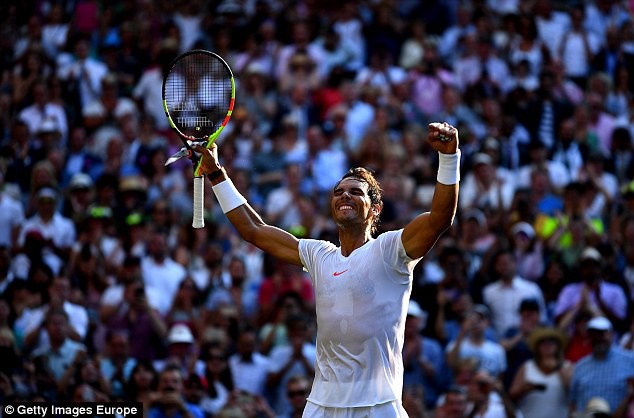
(209, 158)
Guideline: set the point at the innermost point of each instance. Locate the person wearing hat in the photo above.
(58, 231)
(539, 387)
(483, 188)
(422, 357)
(528, 250)
(604, 373)
(181, 351)
(471, 342)
(592, 293)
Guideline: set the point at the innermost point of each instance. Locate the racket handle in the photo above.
(199, 207)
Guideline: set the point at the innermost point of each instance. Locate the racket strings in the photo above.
(198, 94)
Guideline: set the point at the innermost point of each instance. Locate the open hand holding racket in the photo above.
(198, 98)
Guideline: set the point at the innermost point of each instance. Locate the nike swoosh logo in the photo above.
(338, 273)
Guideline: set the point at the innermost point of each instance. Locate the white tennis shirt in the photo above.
(361, 304)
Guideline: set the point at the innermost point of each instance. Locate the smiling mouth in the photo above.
(345, 207)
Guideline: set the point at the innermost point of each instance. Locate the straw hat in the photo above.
(542, 333)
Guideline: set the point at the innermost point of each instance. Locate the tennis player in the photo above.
(362, 287)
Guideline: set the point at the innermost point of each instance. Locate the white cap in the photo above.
(590, 254)
(599, 405)
(416, 311)
(80, 181)
(600, 323)
(523, 227)
(180, 333)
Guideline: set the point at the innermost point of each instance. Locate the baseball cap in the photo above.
(415, 310)
(80, 181)
(180, 334)
(600, 323)
(598, 405)
(47, 193)
(590, 253)
(523, 227)
(482, 310)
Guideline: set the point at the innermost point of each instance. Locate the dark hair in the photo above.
(375, 192)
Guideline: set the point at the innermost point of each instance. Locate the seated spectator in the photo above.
(455, 404)
(141, 386)
(297, 390)
(181, 352)
(592, 293)
(296, 358)
(138, 318)
(116, 365)
(505, 295)
(274, 333)
(57, 231)
(515, 341)
(489, 398)
(217, 377)
(603, 373)
(249, 369)
(541, 383)
(52, 360)
(471, 342)
(32, 325)
(170, 402)
(423, 358)
(528, 250)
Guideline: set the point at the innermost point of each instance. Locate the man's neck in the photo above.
(351, 240)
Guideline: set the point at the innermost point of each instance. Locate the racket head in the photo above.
(198, 96)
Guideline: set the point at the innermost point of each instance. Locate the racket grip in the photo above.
(199, 207)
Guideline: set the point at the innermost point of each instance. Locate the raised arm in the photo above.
(243, 217)
(421, 234)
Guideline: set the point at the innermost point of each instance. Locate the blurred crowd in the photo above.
(523, 308)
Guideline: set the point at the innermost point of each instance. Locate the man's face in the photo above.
(456, 405)
(351, 203)
(297, 393)
(600, 341)
(170, 381)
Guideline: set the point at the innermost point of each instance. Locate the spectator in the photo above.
(541, 384)
(138, 318)
(33, 326)
(182, 352)
(141, 386)
(116, 365)
(57, 231)
(296, 358)
(505, 295)
(604, 373)
(593, 293)
(455, 404)
(422, 358)
(160, 272)
(528, 250)
(249, 368)
(297, 390)
(170, 400)
(51, 361)
(217, 377)
(471, 342)
(489, 398)
(516, 340)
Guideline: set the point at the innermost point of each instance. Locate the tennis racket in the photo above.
(198, 97)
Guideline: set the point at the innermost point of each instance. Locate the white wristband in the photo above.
(228, 196)
(448, 168)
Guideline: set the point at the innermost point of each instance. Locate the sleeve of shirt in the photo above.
(394, 253)
(310, 252)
